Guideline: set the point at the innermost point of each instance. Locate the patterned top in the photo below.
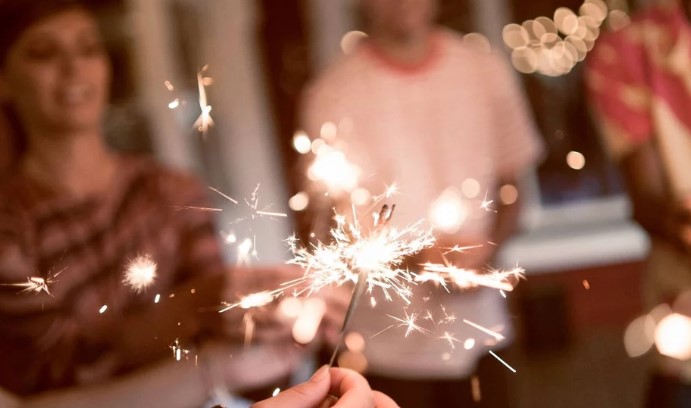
(92, 325)
(639, 79)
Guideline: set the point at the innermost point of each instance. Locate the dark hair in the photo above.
(18, 15)
(15, 17)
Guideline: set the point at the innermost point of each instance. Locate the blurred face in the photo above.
(400, 18)
(57, 74)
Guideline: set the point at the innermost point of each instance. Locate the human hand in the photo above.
(330, 387)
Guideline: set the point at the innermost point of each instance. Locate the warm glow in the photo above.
(332, 168)
(140, 273)
(355, 342)
(307, 324)
(470, 188)
(508, 194)
(469, 343)
(673, 336)
(328, 131)
(352, 360)
(575, 160)
(360, 196)
(350, 41)
(478, 42)
(448, 212)
(553, 46)
(639, 336)
(290, 307)
(299, 201)
(301, 142)
(256, 300)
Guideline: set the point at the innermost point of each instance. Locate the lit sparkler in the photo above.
(469, 278)
(140, 273)
(497, 336)
(410, 323)
(204, 121)
(37, 284)
(449, 337)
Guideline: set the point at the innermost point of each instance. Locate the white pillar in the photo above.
(328, 21)
(155, 65)
(243, 119)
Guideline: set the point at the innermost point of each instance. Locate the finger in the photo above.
(382, 400)
(306, 395)
(351, 388)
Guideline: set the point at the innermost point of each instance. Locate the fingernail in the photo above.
(320, 374)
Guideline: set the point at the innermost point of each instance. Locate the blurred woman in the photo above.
(115, 266)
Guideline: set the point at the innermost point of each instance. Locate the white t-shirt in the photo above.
(458, 116)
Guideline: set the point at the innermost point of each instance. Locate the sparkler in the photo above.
(469, 278)
(410, 323)
(140, 273)
(204, 121)
(36, 284)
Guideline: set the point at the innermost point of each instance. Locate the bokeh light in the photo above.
(301, 142)
(673, 336)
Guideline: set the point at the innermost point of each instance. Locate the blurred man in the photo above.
(639, 82)
(448, 124)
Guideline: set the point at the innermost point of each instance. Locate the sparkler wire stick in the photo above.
(358, 290)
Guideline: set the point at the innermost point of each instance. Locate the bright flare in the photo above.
(140, 273)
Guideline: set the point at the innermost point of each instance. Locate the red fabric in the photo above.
(50, 341)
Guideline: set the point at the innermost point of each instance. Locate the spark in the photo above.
(409, 322)
(253, 300)
(461, 249)
(487, 204)
(178, 351)
(497, 336)
(502, 361)
(204, 121)
(36, 284)
(380, 251)
(450, 338)
(469, 278)
(140, 273)
(157, 298)
(389, 192)
(191, 207)
(103, 309)
(469, 343)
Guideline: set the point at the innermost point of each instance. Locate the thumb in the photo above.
(305, 395)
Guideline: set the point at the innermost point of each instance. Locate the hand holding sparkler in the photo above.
(330, 387)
